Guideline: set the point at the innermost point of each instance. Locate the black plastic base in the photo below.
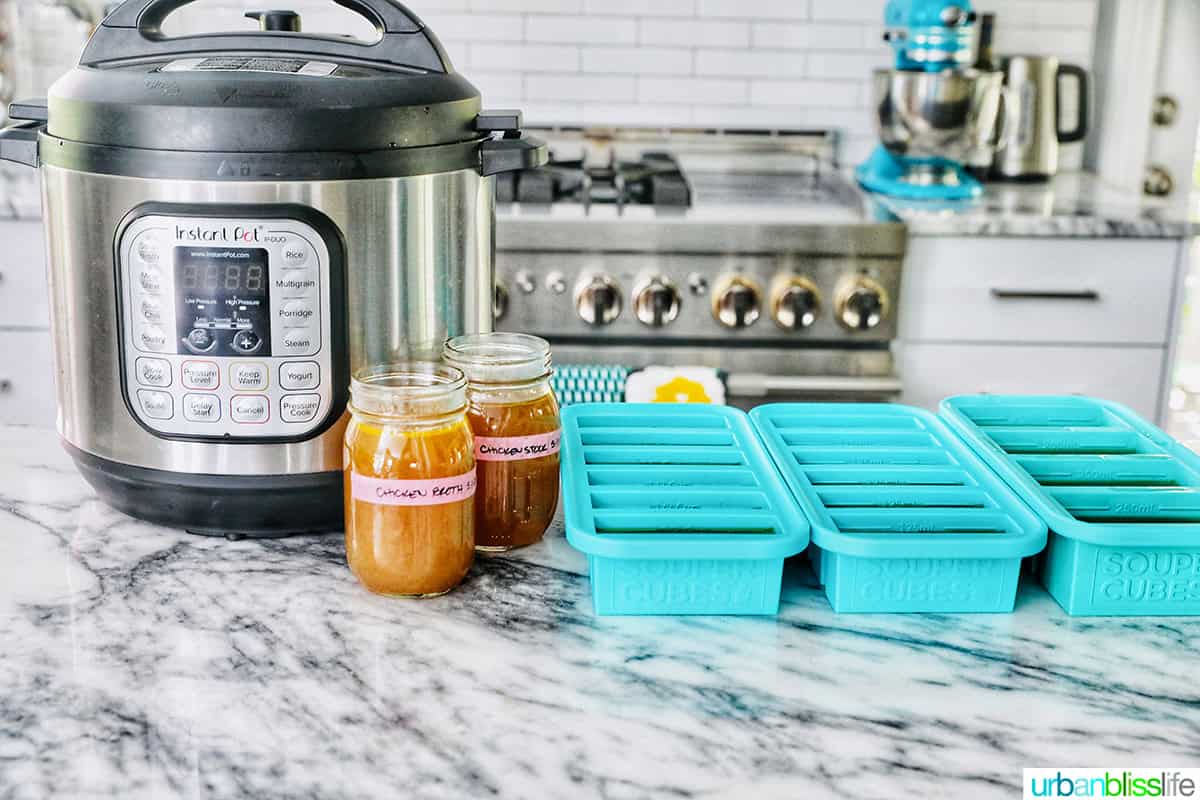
(233, 506)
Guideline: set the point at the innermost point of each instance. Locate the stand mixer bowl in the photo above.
(938, 116)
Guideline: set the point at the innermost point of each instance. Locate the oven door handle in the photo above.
(748, 384)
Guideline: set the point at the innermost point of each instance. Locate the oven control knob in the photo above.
(795, 304)
(525, 282)
(556, 282)
(861, 304)
(500, 302)
(657, 303)
(736, 304)
(598, 301)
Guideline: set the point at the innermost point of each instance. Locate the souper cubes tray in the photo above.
(905, 517)
(1121, 497)
(678, 509)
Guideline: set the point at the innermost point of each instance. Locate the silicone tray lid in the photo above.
(672, 481)
(1094, 470)
(890, 481)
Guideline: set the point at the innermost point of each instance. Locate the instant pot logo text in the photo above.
(245, 234)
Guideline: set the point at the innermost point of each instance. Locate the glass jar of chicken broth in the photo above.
(410, 479)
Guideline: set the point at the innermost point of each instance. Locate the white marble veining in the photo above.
(1070, 205)
(138, 662)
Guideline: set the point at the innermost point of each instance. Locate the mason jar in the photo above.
(409, 479)
(514, 417)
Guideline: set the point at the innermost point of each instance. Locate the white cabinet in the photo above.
(1039, 315)
(1128, 375)
(1039, 290)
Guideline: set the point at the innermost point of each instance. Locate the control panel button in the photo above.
(201, 407)
(151, 308)
(298, 341)
(250, 408)
(200, 340)
(156, 405)
(148, 251)
(249, 377)
(153, 372)
(296, 254)
(246, 341)
(296, 313)
(296, 284)
(299, 407)
(300, 375)
(152, 338)
(150, 279)
(200, 375)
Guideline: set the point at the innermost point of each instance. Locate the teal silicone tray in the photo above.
(678, 509)
(1121, 497)
(905, 517)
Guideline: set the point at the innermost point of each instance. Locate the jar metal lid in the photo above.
(410, 389)
(499, 358)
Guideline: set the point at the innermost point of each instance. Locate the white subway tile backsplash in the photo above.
(764, 63)
(525, 57)
(1067, 14)
(476, 27)
(852, 66)
(595, 30)
(635, 115)
(820, 94)
(642, 8)
(499, 88)
(693, 91)
(544, 114)
(849, 10)
(807, 36)
(1044, 41)
(617, 89)
(637, 60)
(695, 33)
(529, 6)
(752, 9)
(728, 63)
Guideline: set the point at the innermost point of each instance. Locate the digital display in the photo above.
(222, 301)
(233, 276)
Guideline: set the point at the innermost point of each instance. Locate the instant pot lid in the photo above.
(273, 91)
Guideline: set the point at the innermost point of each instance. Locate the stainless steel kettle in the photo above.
(1029, 150)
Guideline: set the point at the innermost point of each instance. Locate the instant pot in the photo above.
(234, 222)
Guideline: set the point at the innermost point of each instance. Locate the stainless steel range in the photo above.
(748, 252)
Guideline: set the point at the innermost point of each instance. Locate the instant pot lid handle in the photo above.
(132, 32)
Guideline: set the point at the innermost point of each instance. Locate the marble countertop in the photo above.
(1074, 204)
(143, 662)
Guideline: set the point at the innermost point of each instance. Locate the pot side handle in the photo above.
(19, 143)
(512, 151)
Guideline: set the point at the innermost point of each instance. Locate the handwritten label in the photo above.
(432, 492)
(516, 448)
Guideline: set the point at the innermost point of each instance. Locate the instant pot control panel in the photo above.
(228, 325)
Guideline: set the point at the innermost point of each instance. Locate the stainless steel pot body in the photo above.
(950, 115)
(418, 268)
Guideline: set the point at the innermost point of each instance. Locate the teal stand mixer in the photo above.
(936, 113)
